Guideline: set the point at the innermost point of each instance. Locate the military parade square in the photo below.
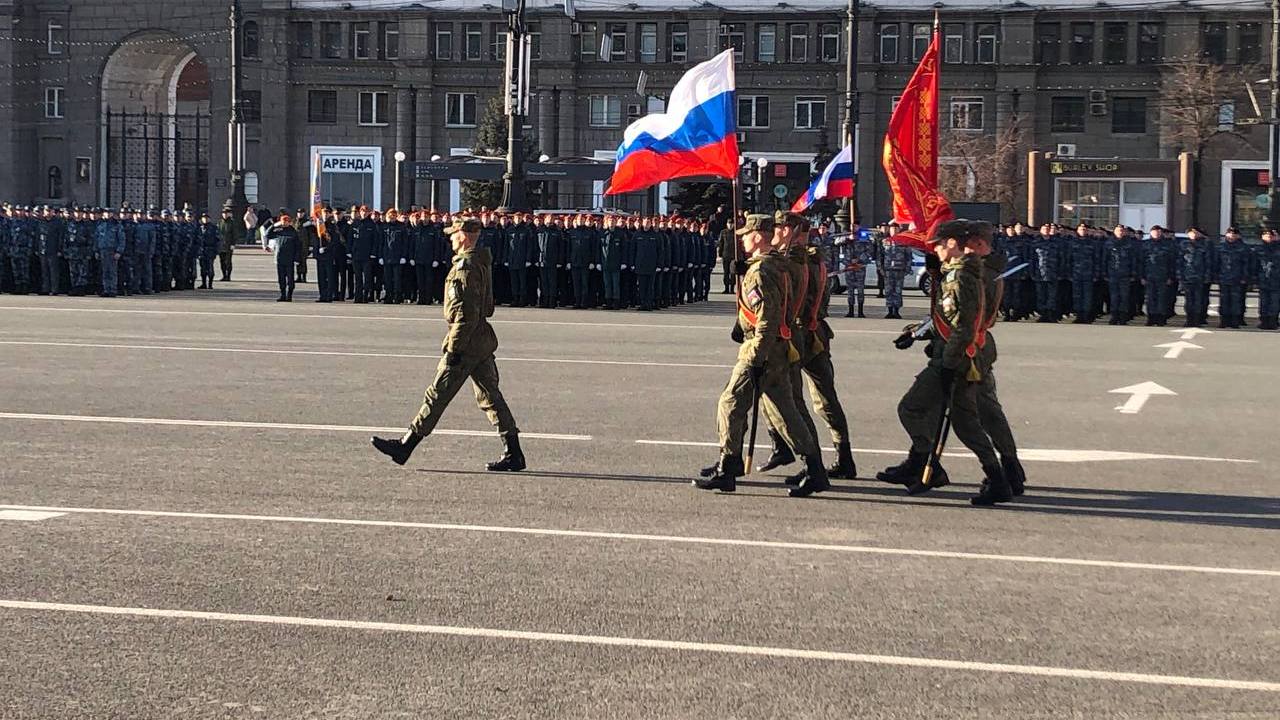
(733, 445)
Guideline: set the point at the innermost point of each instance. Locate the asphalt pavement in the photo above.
(192, 524)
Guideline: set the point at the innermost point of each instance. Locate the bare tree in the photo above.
(977, 167)
(1193, 95)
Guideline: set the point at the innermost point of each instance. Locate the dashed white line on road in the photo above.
(652, 644)
(644, 537)
(28, 515)
(339, 353)
(267, 425)
(1029, 454)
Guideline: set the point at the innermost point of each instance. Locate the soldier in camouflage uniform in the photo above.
(1232, 275)
(897, 262)
(1266, 270)
(468, 351)
(763, 367)
(856, 254)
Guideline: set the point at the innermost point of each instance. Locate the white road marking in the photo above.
(1140, 394)
(336, 353)
(1176, 347)
(28, 515)
(680, 539)
(384, 318)
(1191, 333)
(1031, 454)
(654, 644)
(267, 425)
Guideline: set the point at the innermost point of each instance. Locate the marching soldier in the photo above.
(762, 370)
(468, 351)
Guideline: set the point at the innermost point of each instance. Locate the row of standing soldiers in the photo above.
(548, 261)
(85, 251)
(1090, 272)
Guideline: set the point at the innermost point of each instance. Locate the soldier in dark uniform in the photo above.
(50, 235)
(1159, 276)
(322, 249)
(394, 257)
(468, 350)
(1120, 263)
(1266, 271)
(1083, 254)
(646, 265)
(282, 240)
(1194, 270)
(1046, 267)
(1232, 276)
(550, 254)
(144, 248)
(521, 251)
(362, 245)
(208, 244)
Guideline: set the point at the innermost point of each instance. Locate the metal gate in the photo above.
(156, 159)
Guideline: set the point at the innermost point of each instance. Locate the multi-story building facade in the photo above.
(104, 101)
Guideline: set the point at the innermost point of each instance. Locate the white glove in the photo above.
(381, 262)
(413, 262)
(568, 267)
(690, 264)
(348, 256)
(401, 261)
(528, 264)
(591, 266)
(624, 267)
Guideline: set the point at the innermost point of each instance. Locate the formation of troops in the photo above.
(539, 260)
(84, 251)
(1087, 272)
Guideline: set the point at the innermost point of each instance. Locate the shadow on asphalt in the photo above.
(1261, 513)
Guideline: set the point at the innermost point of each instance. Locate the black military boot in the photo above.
(814, 481)
(850, 313)
(400, 449)
(903, 473)
(781, 455)
(937, 478)
(725, 477)
(1014, 474)
(512, 459)
(843, 468)
(860, 313)
(995, 489)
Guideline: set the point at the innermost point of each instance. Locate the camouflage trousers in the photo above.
(920, 407)
(483, 373)
(777, 400)
(893, 280)
(856, 283)
(80, 272)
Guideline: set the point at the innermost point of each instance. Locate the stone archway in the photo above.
(155, 124)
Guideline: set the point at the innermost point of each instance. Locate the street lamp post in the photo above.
(761, 164)
(434, 159)
(235, 125)
(1273, 189)
(400, 156)
(844, 217)
(514, 193)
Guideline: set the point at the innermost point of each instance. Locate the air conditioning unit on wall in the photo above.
(1098, 109)
(742, 138)
(575, 28)
(1097, 96)
(1067, 150)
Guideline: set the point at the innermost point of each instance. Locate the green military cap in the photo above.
(463, 224)
(958, 228)
(789, 218)
(761, 223)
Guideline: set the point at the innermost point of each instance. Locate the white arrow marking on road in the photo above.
(1191, 333)
(1176, 347)
(1141, 393)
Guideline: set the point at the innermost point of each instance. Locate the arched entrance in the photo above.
(155, 124)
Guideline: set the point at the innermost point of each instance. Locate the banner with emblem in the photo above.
(910, 153)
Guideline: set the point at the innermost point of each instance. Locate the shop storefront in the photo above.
(1138, 193)
(347, 175)
(1244, 196)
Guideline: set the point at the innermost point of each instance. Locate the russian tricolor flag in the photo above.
(836, 181)
(697, 135)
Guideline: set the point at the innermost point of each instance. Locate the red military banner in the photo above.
(910, 155)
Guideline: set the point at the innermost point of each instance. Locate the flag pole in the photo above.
(736, 192)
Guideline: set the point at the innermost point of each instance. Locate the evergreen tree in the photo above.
(491, 141)
(700, 199)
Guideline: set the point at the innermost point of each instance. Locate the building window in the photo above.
(766, 42)
(472, 41)
(1115, 43)
(1048, 43)
(889, 43)
(1150, 38)
(303, 40)
(648, 42)
(498, 42)
(811, 113)
(587, 44)
(251, 106)
(56, 38)
(322, 107)
(55, 182)
(921, 35)
(460, 109)
(753, 112)
(606, 111)
(966, 113)
(1081, 43)
(331, 39)
(249, 35)
(534, 31)
(374, 108)
(1213, 42)
(1067, 114)
(985, 46)
(829, 42)
(1096, 202)
(360, 41)
(678, 37)
(444, 41)
(732, 36)
(53, 103)
(1227, 116)
(390, 44)
(953, 44)
(618, 42)
(798, 43)
(1129, 115)
(1250, 47)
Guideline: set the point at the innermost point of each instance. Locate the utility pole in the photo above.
(514, 193)
(1273, 189)
(235, 127)
(845, 216)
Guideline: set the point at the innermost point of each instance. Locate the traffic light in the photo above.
(749, 196)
